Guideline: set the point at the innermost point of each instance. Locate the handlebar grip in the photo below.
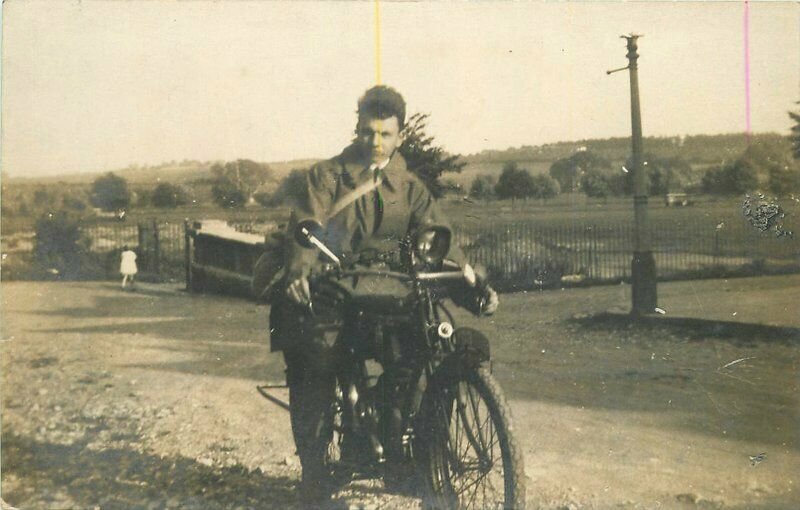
(441, 275)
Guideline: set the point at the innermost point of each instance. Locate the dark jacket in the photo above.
(407, 205)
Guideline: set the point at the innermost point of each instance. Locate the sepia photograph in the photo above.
(389, 254)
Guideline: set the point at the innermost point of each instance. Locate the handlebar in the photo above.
(307, 237)
(403, 277)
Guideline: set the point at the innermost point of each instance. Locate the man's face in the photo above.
(378, 137)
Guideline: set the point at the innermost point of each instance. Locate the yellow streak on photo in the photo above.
(377, 42)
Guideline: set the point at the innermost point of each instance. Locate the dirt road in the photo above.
(150, 399)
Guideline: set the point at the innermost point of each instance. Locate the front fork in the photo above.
(359, 419)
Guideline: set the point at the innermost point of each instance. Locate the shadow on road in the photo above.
(224, 337)
(724, 379)
(143, 304)
(115, 478)
(74, 476)
(737, 333)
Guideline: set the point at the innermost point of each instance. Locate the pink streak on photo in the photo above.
(747, 68)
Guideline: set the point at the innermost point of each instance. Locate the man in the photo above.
(368, 201)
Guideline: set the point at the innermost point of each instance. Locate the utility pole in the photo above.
(643, 265)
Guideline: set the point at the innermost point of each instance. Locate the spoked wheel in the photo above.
(470, 455)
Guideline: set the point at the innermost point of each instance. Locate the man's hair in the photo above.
(382, 102)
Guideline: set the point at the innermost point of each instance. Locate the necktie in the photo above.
(377, 201)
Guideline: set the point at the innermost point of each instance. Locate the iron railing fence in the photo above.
(518, 254)
(159, 245)
(524, 255)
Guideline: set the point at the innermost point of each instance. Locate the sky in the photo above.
(101, 85)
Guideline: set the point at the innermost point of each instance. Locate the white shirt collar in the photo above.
(379, 166)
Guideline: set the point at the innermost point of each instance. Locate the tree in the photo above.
(235, 182)
(663, 175)
(142, 197)
(784, 181)
(667, 175)
(731, 179)
(596, 184)
(425, 159)
(795, 136)
(74, 198)
(775, 165)
(293, 190)
(22, 207)
(568, 171)
(483, 187)
(514, 182)
(227, 194)
(110, 193)
(42, 198)
(742, 177)
(168, 195)
(72, 202)
(544, 186)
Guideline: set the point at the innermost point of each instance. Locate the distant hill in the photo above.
(183, 172)
(696, 149)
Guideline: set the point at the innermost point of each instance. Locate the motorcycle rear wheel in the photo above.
(470, 458)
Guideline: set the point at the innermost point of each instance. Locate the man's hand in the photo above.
(299, 291)
(476, 277)
(490, 300)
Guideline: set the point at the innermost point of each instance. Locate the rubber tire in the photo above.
(513, 464)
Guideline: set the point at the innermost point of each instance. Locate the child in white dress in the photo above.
(128, 266)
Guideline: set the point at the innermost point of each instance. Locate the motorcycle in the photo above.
(415, 399)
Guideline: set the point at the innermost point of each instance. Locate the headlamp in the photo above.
(431, 245)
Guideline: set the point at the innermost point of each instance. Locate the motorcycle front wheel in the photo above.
(469, 456)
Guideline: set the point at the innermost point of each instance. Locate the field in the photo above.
(568, 208)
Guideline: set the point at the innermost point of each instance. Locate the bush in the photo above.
(602, 182)
(235, 182)
(666, 175)
(483, 187)
(569, 171)
(735, 178)
(451, 187)
(292, 191)
(168, 195)
(765, 163)
(59, 246)
(226, 194)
